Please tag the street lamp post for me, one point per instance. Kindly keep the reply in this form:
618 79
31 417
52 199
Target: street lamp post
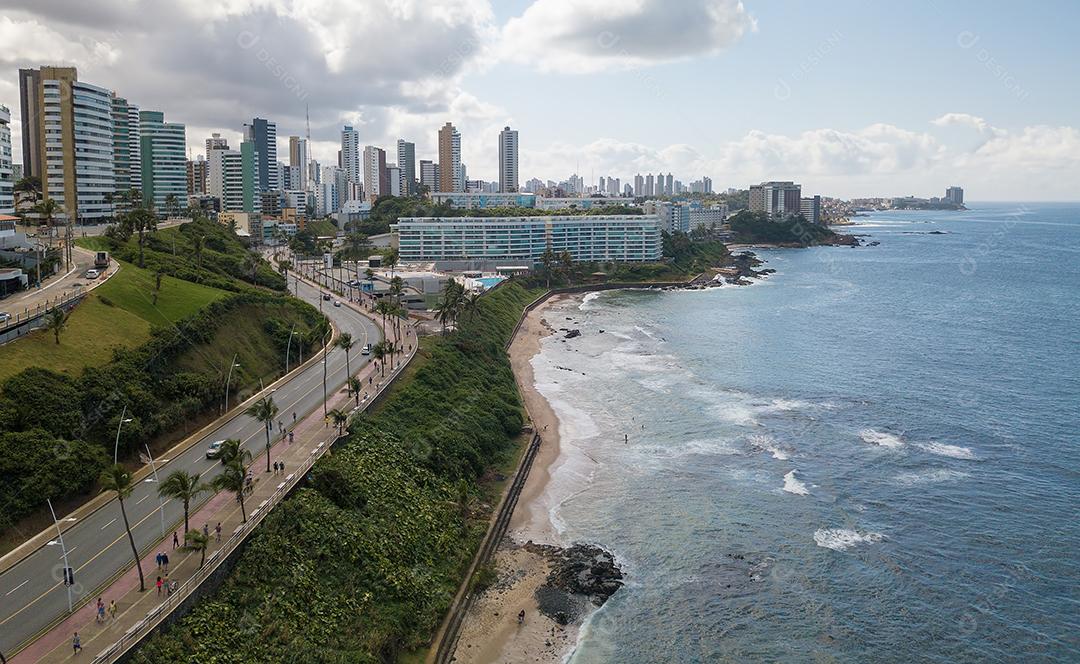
324 411
232 366
116 447
69 574
288 347
157 480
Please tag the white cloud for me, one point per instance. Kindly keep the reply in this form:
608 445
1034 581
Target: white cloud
570 36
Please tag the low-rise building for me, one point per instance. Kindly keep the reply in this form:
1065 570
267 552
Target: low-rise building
572 203
483 200
523 240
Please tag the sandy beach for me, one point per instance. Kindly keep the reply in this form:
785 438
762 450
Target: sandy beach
491 632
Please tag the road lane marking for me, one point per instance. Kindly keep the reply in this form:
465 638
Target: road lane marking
17 587
108 524
142 499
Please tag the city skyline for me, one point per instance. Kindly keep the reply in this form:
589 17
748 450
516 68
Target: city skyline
987 113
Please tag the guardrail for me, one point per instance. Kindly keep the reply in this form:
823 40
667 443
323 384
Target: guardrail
159 613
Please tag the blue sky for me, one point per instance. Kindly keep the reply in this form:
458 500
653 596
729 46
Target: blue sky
848 98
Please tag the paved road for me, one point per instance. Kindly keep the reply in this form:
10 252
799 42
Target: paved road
32 593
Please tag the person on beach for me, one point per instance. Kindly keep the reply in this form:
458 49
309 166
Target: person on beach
76 644
626 438
521 617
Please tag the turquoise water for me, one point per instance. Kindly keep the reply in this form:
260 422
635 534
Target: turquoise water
869 456
490 282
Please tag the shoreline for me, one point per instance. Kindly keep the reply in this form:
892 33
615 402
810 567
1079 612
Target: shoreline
490 632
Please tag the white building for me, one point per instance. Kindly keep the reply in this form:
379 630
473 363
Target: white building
483 200
524 240
584 203
94 177
406 162
225 180
298 159
350 155
707 217
376 182
508 160
429 175
7 198
393 178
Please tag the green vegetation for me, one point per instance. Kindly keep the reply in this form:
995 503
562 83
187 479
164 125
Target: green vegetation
156 341
322 228
361 565
751 227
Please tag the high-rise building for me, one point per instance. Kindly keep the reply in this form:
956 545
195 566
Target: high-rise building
164 166
639 185
67 130
406 161
451 173
376 178
650 189
706 182
810 208
508 160
393 179
351 157
429 175
7 182
263 135
127 149
197 174
298 159
955 195
216 142
232 177
669 184
776 199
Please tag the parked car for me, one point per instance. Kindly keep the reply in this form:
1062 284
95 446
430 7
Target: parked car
92 274
214 451
4 317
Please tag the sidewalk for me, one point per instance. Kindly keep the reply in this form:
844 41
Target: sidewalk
132 606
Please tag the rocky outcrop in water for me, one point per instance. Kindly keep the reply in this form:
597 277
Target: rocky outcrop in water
580 574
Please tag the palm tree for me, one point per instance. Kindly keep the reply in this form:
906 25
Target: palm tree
56 322
172 206
196 540
232 479
251 263
385 309
117 479
390 260
142 221
46 210
548 260
231 451
264 410
379 353
157 285
197 243
345 343
183 486
472 304
340 418
355 386
397 287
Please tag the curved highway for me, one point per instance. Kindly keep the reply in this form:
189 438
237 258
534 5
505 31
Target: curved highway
32 592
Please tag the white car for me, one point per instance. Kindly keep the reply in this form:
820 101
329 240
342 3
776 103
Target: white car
92 274
4 317
337 303
366 350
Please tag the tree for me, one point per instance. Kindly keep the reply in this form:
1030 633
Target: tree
232 479
183 486
340 418
390 260
355 386
172 206
142 221
56 322
566 262
379 351
157 285
397 287
117 479
357 246
472 304
548 261
46 210
345 343
197 244
251 264
196 540
264 410
231 451
384 309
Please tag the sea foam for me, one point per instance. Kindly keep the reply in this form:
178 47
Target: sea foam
842 539
881 438
928 477
953 451
768 444
793 485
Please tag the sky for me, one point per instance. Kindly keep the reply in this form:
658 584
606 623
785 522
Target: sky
848 98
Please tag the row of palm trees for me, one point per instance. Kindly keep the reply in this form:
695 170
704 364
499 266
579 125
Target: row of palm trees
185 487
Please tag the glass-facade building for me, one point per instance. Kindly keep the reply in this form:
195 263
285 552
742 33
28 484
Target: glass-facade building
523 240
163 162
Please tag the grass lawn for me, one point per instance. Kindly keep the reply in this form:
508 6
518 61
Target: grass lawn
117 314
322 227
93 331
132 289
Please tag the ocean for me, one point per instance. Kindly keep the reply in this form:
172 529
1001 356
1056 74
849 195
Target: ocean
872 455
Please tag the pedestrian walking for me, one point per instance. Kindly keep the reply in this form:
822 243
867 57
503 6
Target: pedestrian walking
175 541
168 588
280 425
112 609
206 530
282 467
165 561
157 559
294 418
76 644
100 611
158 583
217 531
290 436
